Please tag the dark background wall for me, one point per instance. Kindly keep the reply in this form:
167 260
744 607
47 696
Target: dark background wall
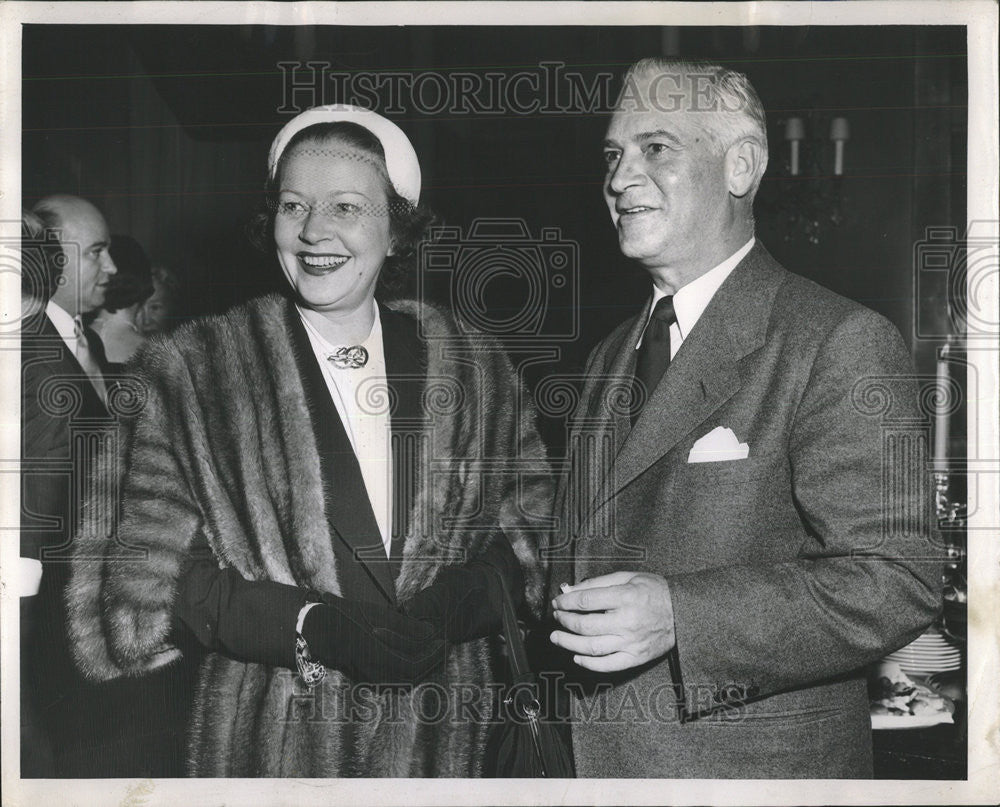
167 129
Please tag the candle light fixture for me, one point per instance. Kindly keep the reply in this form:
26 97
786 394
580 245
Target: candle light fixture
808 153
840 132
795 133
812 199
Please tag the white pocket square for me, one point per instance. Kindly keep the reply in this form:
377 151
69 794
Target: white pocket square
718 445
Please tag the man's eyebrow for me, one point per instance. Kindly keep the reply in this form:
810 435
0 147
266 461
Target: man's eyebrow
658 133
641 136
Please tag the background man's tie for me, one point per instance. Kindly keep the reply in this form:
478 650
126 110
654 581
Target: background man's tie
86 359
654 353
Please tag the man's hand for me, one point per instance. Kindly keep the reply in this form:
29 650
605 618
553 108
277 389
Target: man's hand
615 621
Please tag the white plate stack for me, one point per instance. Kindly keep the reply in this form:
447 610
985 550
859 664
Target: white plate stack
929 653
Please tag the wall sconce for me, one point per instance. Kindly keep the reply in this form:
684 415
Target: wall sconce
795 134
840 133
811 198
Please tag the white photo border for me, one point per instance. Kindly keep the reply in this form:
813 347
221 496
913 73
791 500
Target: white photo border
983 784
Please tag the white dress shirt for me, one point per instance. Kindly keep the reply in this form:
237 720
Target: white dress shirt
690 301
361 396
71 330
63 323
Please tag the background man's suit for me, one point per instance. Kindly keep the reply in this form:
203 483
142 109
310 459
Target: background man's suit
51 377
74 728
770 607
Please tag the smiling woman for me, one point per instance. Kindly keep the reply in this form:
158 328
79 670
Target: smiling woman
350 162
332 226
278 486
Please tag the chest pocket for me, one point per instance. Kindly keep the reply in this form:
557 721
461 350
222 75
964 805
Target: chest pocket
730 472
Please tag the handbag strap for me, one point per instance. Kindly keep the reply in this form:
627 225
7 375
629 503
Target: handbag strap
551 757
516 652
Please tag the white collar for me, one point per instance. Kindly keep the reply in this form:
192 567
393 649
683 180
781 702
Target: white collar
62 320
374 338
691 300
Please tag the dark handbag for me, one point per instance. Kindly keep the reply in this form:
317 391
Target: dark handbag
524 745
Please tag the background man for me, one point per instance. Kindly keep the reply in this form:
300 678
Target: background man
69 726
66 269
737 552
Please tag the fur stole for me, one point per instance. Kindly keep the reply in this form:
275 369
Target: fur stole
220 443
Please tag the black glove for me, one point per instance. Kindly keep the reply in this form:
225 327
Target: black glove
371 643
466 600
254 620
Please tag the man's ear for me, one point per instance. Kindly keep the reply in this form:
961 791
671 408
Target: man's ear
745 164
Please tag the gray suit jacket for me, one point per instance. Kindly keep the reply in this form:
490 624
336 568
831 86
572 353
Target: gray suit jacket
789 570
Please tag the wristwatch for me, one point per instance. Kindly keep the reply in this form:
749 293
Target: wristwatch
311 672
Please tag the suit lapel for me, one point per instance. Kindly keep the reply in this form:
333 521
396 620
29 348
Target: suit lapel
42 338
704 373
348 508
601 423
406 373
619 370
698 381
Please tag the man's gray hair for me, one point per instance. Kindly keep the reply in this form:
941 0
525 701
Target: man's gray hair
735 110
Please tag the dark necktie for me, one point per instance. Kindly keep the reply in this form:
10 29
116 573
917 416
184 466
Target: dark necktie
654 353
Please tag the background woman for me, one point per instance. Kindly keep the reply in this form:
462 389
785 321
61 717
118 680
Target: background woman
159 313
321 442
129 288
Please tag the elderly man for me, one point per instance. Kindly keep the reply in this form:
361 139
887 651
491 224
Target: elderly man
735 566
